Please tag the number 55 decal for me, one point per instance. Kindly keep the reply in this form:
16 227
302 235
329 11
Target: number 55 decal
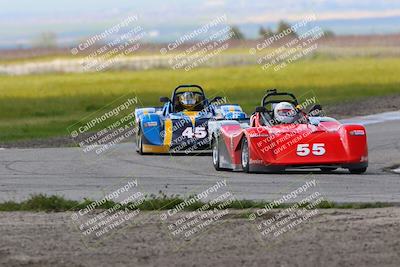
304 149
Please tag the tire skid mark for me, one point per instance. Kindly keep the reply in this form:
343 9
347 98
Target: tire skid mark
9 167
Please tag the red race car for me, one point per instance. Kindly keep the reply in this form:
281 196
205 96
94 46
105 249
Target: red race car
282 135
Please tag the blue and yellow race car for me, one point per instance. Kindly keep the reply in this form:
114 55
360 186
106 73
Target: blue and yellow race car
181 124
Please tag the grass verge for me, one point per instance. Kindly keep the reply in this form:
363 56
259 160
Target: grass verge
41 106
54 203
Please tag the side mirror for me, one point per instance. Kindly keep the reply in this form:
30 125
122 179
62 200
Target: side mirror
164 99
261 110
315 111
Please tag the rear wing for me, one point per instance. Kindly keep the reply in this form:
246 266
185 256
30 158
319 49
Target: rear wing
140 112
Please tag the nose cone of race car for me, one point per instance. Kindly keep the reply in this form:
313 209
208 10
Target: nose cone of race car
308 145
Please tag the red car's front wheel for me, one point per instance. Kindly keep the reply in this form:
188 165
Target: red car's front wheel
215 154
245 159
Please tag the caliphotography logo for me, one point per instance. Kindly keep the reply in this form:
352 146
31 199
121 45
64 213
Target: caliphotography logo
204 209
288 213
115 212
103 130
199 133
112 46
294 43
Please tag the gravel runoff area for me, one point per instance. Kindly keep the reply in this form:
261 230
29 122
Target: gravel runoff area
365 237
340 111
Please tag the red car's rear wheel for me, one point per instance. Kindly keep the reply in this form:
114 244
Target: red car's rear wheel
358 171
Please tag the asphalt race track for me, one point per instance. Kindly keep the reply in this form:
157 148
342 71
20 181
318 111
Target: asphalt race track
76 175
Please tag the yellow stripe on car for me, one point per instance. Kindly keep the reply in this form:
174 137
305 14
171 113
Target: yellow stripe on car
168 132
192 115
155 149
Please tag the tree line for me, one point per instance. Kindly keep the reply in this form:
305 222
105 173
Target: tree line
268 32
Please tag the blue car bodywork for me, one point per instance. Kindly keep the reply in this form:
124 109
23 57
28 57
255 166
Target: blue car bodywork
169 129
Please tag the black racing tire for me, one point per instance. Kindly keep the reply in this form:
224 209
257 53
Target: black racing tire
215 154
358 171
245 156
328 169
139 142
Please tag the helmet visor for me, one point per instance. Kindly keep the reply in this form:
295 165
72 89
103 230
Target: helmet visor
286 112
188 99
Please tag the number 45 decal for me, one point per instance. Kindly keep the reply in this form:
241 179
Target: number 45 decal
304 149
199 132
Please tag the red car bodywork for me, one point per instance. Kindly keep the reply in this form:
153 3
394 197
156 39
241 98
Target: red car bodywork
329 144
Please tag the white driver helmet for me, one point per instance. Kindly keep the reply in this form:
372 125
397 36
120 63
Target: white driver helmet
284 112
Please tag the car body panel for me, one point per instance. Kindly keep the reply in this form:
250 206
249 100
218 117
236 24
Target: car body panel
316 142
165 131
277 146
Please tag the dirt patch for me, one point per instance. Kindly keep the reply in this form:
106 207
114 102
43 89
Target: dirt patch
364 107
367 237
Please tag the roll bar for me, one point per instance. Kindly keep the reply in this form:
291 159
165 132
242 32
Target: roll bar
274 92
187 86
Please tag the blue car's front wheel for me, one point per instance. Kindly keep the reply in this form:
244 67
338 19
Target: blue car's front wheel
139 142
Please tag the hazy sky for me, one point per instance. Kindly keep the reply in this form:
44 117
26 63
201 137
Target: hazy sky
44 11
20 20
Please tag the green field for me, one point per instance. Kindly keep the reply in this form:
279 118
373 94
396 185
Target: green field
37 106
